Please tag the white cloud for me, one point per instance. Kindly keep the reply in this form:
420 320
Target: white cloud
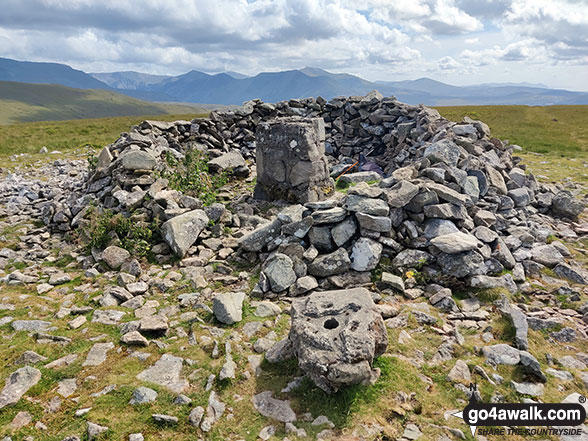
377 39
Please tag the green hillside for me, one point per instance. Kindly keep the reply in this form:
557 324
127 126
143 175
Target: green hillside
24 102
66 136
552 130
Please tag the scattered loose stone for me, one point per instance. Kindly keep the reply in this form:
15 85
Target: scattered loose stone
270 407
17 384
228 307
166 372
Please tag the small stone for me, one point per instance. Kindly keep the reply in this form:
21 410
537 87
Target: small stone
460 372
94 430
115 256
97 354
267 309
196 416
270 407
164 419
143 395
77 322
228 307
134 338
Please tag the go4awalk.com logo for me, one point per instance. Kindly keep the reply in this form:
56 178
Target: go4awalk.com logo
532 419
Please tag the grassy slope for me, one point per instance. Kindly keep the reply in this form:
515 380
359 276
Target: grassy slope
557 130
20 102
69 135
554 138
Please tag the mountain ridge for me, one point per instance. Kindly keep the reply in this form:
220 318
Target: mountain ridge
232 88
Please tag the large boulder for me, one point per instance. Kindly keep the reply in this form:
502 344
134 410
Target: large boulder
336 335
181 232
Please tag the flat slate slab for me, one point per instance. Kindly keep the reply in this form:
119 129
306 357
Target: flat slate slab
166 372
17 384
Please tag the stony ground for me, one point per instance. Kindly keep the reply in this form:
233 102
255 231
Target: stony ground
68 373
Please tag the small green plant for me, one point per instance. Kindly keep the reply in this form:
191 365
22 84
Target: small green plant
191 176
92 162
135 237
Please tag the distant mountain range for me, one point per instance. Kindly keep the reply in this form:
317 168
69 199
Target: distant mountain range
232 88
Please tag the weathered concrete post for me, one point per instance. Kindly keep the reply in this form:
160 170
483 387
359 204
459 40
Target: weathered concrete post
291 161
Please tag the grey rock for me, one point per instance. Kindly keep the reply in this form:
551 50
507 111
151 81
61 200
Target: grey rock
228 307
380 224
547 255
455 242
303 285
280 351
94 430
97 354
354 178
488 282
143 395
107 317
329 216
326 265
566 205
270 407
575 274
467 263
115 256
532 389
531 366
343 231
196 416
496 180
460 372
411 258
180 232
160 418
393 281
335 347
375 207
134 338
443 151
166 372
138 160
320 238
279 271
439 227
261 236
520 196
67 387
226 161
30 325
401 194
17 384
154 324
501 354
566 335
266 309
446 211
29 357
214 411
365 254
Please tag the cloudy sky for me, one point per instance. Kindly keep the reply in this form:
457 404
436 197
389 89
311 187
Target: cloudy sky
456 41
